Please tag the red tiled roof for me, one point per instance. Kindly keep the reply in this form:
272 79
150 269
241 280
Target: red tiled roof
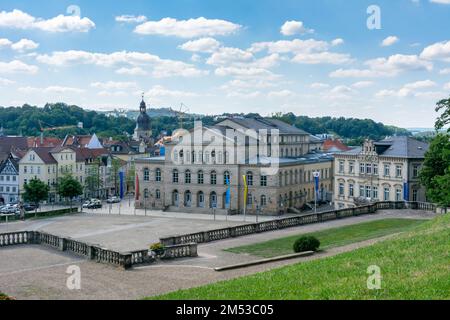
336 144
46 142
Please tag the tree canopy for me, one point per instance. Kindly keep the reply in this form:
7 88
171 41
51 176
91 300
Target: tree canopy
35 191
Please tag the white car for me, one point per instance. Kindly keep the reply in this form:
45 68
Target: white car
113 200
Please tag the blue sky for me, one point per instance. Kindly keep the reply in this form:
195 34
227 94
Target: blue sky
312 58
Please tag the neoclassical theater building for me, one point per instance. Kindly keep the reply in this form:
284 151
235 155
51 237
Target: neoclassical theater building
258 164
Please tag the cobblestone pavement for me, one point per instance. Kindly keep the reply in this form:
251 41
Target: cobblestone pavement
35 272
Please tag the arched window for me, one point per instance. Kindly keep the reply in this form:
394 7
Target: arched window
175 198
249 178
213 200
226 177
146 174
213 177
158 175
200 177
187 177
187 199
175 176
201 199
263 200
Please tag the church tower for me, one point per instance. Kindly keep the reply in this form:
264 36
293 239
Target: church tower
143 131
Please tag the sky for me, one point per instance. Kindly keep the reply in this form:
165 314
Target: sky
384 60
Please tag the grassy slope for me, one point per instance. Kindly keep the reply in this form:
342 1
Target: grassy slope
331 237
414 265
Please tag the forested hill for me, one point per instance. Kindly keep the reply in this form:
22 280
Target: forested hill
25 121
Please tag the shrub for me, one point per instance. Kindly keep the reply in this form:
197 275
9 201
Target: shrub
306 243
156 247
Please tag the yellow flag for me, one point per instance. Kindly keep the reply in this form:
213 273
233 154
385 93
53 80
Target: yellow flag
245 190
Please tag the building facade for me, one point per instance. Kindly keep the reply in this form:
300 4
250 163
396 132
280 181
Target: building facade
9 180
386 170
201 166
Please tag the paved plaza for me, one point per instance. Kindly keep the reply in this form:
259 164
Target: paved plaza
36 272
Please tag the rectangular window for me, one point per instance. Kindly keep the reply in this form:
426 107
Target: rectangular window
387 170
398 195
368 168
375 193
361 191
375 169
341 189
341 166
362 168
368 191
200 179
386 194
416 171
398 171
158 175
351 191
351 167
263 181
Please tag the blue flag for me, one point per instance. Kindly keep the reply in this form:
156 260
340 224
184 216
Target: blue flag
316 184
228 194
121 181
405 191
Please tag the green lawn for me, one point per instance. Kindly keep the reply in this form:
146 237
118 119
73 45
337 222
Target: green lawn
331 237
414 265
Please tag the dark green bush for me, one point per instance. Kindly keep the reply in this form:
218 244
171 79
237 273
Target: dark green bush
306 243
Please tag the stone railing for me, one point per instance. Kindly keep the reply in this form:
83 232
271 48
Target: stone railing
247 229
125 260
180 251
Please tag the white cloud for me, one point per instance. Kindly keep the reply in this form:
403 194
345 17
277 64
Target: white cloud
440 1
412 89
319 85
385 67
24 45
160 91
160 67
126 18
290 28
17 66
136 71
106 93
227 55
199 27
238 84
50 89
18 19
437 51
445 71
447 86
6 82
389 41
201 45
290 46
117 85
322 58
362 84
245 72
281 94
5 42
337 42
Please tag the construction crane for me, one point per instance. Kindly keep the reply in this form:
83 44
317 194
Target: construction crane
184 109
51 128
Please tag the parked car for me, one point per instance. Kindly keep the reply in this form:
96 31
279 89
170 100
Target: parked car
113 200
9 209
30 206
92 204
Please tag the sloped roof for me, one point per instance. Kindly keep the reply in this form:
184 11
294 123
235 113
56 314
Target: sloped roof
34 142
335 146
260 123
45 154
403 147
7 144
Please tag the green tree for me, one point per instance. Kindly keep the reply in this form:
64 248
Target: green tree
444 118
435 173
93 181
68 187
35 191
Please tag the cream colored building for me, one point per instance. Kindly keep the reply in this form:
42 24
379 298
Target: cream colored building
272 155
386 170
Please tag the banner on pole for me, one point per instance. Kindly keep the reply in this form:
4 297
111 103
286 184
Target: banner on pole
136 188
228 194
121 184
245 190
